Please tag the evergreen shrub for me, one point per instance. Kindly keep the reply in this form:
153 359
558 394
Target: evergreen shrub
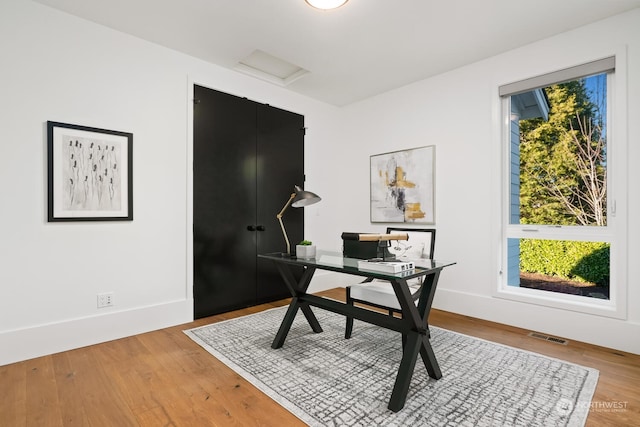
572 260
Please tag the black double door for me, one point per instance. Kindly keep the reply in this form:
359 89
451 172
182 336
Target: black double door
247 158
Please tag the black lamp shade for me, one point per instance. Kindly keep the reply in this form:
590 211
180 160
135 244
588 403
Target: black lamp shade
304 198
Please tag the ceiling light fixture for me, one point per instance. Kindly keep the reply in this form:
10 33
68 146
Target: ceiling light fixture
326 4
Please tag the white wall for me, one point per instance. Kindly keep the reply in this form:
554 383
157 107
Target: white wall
58 67
459 113
61 68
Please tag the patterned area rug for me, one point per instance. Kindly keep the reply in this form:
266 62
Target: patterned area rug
326 380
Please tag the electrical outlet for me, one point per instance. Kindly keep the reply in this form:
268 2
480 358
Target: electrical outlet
105 299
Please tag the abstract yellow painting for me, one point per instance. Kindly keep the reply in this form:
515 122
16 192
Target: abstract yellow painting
402 186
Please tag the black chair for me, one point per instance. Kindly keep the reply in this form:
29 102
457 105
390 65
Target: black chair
379 293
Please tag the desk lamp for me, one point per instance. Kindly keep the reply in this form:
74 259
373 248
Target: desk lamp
299 199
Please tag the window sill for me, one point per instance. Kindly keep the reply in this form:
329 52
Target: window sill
577 303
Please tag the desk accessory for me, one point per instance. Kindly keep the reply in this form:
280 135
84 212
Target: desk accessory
370 245
305 250
298 199
386 266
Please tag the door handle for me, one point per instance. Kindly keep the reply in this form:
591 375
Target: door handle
251 228
260 228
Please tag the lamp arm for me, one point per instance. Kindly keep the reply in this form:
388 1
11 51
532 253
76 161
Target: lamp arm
284 233
279 216
286 205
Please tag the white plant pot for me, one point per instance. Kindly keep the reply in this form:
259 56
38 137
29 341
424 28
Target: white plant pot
305 251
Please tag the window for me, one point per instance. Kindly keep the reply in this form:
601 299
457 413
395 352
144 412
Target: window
559 228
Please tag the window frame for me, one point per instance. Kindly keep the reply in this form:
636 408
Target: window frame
615 230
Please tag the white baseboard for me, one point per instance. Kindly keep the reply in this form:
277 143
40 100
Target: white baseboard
28 343
593 329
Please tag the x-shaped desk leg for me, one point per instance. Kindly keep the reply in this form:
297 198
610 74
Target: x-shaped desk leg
417 338
296 289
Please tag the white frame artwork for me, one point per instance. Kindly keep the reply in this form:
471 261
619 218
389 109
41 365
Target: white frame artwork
403 186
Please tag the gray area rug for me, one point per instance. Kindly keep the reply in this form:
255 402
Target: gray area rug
326 380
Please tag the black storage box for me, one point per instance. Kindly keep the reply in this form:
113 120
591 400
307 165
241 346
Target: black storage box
354 248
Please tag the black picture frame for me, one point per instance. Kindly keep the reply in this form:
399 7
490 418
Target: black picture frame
90 173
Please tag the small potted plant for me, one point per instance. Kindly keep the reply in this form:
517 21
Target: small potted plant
305 250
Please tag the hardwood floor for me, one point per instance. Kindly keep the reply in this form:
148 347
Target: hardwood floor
162 378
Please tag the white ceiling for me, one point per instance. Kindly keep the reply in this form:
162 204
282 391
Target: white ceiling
362 49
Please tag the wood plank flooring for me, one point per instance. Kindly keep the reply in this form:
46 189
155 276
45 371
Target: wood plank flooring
162 378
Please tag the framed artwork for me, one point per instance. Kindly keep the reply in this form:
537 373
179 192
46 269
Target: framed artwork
402 186
89 173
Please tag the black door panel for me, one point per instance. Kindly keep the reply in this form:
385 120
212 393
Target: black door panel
247 158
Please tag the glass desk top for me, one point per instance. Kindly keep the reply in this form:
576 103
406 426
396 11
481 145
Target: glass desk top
334 261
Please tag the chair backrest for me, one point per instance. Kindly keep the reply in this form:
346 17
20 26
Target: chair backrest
421 243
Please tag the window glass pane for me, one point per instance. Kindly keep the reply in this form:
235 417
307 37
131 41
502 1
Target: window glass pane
558 167
564 266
